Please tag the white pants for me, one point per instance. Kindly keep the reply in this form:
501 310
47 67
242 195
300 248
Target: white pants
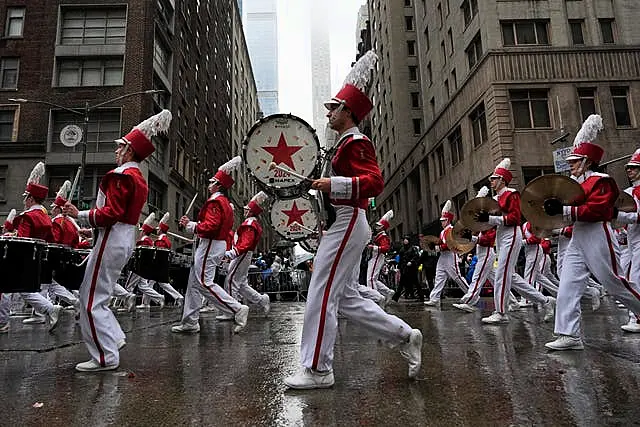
208 255
592 250
563 243
482 273
5 308
57 290
373 271
334 287
119 291
237 280
39 303
100 328
143 286
173 293
447 268
546 279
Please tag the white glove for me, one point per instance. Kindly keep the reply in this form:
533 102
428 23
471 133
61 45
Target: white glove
231 254
409 264
191 226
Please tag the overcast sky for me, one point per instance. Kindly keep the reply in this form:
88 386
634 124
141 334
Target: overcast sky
294 50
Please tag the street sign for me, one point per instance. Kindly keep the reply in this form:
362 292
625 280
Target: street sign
559 163
71 135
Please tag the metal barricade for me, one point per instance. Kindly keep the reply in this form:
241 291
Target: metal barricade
286 284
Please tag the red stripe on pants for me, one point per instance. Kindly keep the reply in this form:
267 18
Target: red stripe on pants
92 290
373 279
506 270
614 262
327 290
484 264
204 267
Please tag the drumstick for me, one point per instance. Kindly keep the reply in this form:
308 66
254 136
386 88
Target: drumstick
191 205
177 236
305 228
289 171
75 184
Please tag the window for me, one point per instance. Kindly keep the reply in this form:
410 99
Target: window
454 79
413 73
474 51
415 100
104 128
440 20
155 198
439 160
407 3
15 22
530 108
417 126
90 26
620 97
450 34
577 38
427 42
532 172
90 72
446 88
161 56
606 28
525 33
429 74
9 73
408 23
587 97
469 11
6 125
158 156
479 126
459 201
443 50
432 106
455 142
411 47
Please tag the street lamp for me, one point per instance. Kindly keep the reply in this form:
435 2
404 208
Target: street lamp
85 126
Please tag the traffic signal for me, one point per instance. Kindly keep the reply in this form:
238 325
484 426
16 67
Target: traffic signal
372 202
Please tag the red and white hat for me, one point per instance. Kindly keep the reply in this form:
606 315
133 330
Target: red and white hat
147 228
61 195
385 221
139 139
447 213
583 145
353 93
483 192
635 159
163 225
223 176
39 192
502 171
8 223
257 203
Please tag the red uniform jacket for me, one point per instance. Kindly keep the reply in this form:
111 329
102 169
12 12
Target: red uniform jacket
162 242
443 238
487 238
145 241
65 231
509 202
546 246
531 238
356 158
601 193
567 231
247 236
125 192
215 219
34 223
383 242
229 239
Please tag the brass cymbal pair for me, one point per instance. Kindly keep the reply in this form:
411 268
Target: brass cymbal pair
546 187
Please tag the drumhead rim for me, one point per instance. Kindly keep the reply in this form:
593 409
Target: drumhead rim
314 209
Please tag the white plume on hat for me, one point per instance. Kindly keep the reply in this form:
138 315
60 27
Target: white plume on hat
504 164
165 218
64 189
360 74
149 219
155 124
447 207
231 164
483 192
260 197
11 216
589 130
36 174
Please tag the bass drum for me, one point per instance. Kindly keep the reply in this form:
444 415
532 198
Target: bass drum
287 141
294 219
20 261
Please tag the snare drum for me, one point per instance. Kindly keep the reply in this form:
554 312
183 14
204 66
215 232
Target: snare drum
287 141
20 262
72 273
55 259
152 263
294 219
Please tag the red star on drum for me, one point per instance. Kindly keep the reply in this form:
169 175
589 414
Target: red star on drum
295 214
282 152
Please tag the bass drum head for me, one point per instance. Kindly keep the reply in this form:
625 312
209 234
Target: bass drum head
287 141
294 219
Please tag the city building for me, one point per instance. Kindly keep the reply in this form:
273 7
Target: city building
261 33
320 66
63 60
500 79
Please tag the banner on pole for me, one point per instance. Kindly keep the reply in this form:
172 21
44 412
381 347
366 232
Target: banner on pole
559 163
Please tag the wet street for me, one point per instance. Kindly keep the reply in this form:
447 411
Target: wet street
472 374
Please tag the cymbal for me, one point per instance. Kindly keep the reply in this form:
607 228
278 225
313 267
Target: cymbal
426 240
546 187
474 206
626 203
456 242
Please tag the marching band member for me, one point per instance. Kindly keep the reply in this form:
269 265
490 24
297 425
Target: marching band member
246 240
214 222
508 244
163 242
35 223
375 289
586 253
447 266
121 196
485 241
355 176
535 258
5 299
